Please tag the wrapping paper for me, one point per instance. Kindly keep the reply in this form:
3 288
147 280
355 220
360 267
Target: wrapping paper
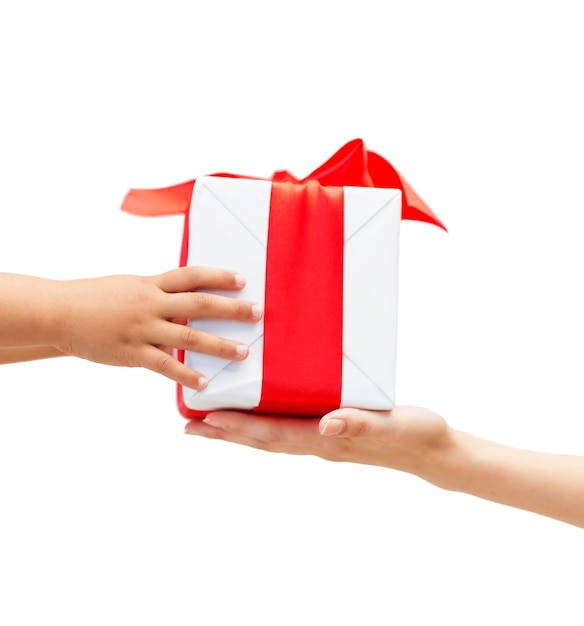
321 253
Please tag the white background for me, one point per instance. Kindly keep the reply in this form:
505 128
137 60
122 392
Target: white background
108 513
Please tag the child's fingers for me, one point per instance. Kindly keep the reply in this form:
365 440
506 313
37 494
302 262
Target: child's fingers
191 278
200 304
161 362
187 338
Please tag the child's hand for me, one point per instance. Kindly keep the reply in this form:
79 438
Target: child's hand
134 320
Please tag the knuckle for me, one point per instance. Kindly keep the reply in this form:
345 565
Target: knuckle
241 309
146 299
189 338
203 300
266 446
165 363
358 428
213 433
342 447
272 435
194 272
338 449
223 348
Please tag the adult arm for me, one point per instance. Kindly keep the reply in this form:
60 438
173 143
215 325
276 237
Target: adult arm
419 442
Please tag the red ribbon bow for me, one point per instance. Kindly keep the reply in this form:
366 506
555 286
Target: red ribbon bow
352 165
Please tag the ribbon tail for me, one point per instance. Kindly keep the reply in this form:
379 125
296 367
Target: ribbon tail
414 208
173 200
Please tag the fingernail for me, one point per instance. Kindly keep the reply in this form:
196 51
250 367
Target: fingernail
333 427
241 350
213 422
192 430
202 382
256 311
240 280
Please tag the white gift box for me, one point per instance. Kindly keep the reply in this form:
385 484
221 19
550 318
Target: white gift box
228 226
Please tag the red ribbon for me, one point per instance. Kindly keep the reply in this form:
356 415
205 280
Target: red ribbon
303 318
351 165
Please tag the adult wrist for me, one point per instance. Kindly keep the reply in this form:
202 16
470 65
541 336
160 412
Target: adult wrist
453 464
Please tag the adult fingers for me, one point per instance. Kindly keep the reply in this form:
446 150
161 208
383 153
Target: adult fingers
295 435
200 428
274 431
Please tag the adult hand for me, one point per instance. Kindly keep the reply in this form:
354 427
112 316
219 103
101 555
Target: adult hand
405 438
419 442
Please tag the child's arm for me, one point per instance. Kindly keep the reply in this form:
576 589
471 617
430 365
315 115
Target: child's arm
124 320
31 353
419 442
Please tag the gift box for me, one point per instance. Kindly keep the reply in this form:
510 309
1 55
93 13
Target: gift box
321 255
